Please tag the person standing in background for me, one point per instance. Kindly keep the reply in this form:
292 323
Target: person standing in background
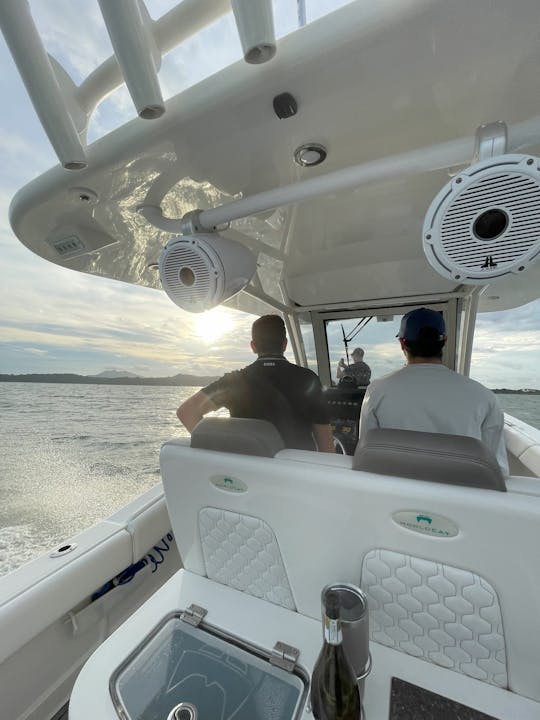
358 369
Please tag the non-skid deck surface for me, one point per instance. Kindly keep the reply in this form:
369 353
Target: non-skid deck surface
410 702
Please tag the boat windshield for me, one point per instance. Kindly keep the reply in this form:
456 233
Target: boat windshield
375 335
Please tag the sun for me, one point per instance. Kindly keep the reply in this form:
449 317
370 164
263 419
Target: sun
212 324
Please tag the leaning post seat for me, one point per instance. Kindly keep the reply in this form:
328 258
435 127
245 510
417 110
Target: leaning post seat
436 457
245 436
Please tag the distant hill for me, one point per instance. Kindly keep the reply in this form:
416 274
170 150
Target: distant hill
525 391
115 374
174 380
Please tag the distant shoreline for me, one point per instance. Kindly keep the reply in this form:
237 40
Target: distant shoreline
179 380
508 391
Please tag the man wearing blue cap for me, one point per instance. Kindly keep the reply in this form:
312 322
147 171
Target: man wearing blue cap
427 396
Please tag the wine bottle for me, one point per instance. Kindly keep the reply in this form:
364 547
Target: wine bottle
334 692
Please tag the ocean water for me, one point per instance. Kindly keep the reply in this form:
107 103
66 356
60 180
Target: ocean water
71 455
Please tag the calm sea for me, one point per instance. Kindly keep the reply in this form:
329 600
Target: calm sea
73 454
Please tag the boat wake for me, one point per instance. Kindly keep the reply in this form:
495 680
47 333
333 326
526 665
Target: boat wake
18 545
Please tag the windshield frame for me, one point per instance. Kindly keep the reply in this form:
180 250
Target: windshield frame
448 307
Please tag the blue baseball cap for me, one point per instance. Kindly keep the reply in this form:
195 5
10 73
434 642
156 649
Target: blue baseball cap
413 322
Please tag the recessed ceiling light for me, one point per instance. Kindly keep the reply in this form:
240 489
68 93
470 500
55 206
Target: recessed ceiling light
310 154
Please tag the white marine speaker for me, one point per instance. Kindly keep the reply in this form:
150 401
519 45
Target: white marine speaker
199 272
485 223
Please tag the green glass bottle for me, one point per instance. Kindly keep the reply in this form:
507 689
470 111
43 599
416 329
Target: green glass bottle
334 692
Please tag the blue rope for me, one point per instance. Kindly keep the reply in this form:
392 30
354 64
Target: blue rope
127 575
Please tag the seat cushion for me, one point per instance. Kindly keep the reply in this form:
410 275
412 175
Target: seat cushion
442 614
242 551
451 459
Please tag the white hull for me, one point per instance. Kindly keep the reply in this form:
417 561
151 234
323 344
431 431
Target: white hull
48 625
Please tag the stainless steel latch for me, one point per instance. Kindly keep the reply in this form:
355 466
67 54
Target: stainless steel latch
193 615
284 656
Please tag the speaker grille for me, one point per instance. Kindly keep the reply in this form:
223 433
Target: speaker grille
515 194
190 276
486 223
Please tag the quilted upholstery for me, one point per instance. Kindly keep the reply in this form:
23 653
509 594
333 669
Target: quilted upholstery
439 613
242 551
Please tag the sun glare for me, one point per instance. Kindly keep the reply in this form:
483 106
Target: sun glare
211 325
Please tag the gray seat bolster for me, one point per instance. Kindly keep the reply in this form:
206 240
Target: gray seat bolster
245 436
451 459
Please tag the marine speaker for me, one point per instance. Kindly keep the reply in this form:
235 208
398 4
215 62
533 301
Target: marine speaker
485 223
199 272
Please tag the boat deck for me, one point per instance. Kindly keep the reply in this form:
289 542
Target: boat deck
241 615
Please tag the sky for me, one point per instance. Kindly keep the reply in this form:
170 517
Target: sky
56 320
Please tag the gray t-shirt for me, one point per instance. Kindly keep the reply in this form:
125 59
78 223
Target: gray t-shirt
429 397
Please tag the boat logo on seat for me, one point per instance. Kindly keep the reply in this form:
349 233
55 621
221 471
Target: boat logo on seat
228 483
426 523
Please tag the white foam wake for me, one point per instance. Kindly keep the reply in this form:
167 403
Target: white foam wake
18 544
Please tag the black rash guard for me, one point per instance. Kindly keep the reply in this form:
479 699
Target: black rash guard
273 389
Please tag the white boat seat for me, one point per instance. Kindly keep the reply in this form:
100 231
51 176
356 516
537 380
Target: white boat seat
246 436
327 519
242 551
436 612
436 457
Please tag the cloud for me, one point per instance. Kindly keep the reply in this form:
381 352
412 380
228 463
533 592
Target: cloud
73 33
59 310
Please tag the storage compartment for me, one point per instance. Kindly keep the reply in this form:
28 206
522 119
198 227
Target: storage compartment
216 675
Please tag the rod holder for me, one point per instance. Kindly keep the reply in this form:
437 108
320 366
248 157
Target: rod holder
42 82
255 23
130 29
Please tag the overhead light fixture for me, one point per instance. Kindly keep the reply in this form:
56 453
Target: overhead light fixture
310 154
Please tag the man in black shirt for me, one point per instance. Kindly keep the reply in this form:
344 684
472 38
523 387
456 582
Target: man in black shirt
271 388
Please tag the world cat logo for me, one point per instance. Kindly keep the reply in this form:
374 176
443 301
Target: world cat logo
426 523
228 483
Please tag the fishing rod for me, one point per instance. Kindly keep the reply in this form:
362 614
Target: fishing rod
361 324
